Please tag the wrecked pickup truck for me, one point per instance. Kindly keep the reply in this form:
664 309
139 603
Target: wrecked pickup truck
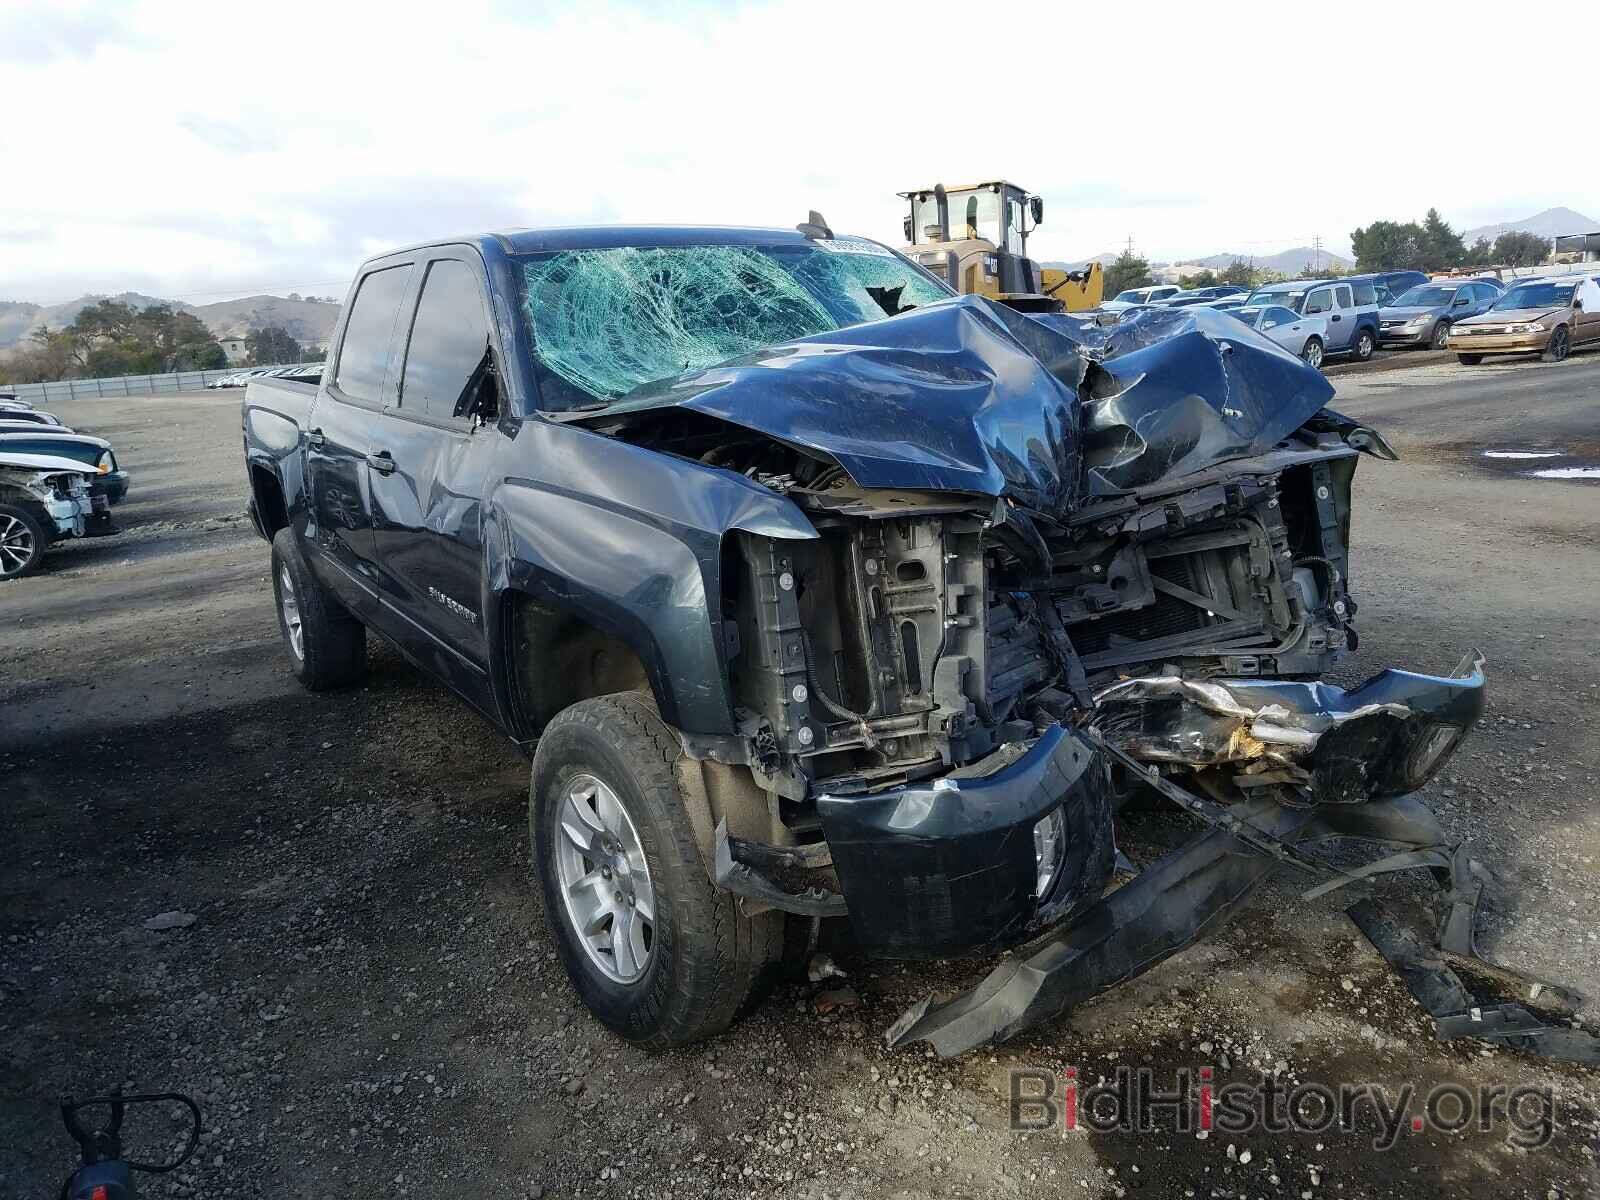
817 591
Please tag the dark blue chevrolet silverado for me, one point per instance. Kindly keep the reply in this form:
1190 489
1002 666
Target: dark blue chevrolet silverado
817 591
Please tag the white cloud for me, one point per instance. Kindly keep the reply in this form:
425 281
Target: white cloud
163 148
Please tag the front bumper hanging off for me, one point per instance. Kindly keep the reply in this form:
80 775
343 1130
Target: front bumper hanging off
1374 744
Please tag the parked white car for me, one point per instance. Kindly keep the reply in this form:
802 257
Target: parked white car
1306 337
1137 296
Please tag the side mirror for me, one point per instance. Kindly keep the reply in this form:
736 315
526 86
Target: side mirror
1036 207
905 224
1577 306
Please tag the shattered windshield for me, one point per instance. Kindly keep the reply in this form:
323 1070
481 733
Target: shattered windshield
603 322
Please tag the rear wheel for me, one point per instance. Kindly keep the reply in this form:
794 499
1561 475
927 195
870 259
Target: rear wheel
1560 345
1441 331
1469 360
22 542
1311 352
1364 345
656 951
327 646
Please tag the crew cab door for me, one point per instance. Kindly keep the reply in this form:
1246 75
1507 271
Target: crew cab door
430 461
338 437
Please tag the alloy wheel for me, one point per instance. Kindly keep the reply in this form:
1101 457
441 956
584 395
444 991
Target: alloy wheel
17 546
1313 354
605 881
1441 331
1559 345
290 604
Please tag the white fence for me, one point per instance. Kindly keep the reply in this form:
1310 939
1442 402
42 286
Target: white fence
119 385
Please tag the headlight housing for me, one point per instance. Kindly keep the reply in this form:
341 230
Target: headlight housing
1525 327
1049 847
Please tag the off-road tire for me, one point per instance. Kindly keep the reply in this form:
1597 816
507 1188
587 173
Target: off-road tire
1469 360
707 959
1559 346
333 644
30 533
1364 338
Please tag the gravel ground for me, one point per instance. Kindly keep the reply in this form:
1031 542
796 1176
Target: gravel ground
368 995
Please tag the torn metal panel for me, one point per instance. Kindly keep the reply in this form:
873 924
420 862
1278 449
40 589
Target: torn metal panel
1386 737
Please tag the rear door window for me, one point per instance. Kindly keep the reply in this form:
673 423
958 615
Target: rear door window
364 353
1365 294
1344 295
449 338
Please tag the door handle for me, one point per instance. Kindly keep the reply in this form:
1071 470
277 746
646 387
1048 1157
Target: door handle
381 462
314 439
1337 317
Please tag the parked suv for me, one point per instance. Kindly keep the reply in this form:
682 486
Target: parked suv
1350 308
1422 316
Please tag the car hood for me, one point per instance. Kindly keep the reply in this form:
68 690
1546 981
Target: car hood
53 433
970 396
42 462
1501 316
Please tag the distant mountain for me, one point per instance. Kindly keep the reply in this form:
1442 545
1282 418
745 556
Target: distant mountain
1286 262
306 320
1552 222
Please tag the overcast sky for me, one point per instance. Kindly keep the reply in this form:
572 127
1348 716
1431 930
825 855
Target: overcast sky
205 150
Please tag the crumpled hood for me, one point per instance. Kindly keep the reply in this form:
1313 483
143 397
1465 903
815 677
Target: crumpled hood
971 396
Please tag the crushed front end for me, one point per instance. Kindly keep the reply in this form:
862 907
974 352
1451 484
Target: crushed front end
1055 566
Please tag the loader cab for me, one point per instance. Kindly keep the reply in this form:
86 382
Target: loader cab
975 237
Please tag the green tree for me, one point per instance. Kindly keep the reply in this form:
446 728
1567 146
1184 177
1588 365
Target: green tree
1389 246
1517 249
1200 279
274 344
1241 274
1442 247
1479 254
1128 271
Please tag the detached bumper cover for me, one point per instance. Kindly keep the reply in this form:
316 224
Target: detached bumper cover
1386 737
948 867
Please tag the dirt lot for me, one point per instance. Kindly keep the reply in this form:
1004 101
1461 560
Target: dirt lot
369 998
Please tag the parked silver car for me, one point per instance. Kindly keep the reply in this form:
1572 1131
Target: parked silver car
1350 308
1304 336
1422 315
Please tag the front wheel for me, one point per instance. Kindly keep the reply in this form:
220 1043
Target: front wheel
1560 345
22 542
1312 352
1441 332
327 646
1364 345
656 951
1469 360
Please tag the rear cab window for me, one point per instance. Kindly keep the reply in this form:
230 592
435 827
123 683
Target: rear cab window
368 334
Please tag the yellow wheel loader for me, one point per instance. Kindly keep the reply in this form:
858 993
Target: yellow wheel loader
976 238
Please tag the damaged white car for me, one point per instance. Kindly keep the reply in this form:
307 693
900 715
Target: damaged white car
44 499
